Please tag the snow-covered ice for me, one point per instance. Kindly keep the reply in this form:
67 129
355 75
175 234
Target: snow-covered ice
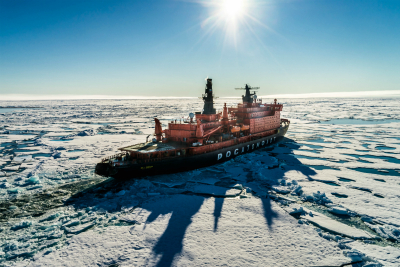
327 195
184 231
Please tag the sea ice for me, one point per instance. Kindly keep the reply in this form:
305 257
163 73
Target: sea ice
178 229
33 180
203 180
20 225
386 256
281 189
214 190
11 168
89 132
297 211
356 167
79 229
389 232
338 210
4 185
335 227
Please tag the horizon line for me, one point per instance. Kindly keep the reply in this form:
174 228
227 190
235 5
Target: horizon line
357 94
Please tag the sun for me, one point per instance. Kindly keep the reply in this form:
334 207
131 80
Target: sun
226 11
232 9
236 19
230 14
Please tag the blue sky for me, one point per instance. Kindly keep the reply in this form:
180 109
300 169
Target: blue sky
168 47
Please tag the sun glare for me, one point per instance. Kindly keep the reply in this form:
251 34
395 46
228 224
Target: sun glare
236 18
232 9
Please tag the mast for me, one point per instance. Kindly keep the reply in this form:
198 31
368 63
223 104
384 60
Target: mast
248 97
208 99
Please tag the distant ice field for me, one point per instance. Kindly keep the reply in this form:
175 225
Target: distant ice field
333 183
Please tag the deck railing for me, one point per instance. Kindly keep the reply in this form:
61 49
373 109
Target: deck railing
113 156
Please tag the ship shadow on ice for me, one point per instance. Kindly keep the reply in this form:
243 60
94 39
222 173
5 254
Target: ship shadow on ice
186 203
290 162
182 209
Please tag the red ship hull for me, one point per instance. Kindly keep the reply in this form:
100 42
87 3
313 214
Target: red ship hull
187 163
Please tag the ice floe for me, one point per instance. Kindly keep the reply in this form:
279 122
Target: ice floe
334 226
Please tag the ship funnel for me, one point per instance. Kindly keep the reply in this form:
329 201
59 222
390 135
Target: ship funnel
158 130
225 113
